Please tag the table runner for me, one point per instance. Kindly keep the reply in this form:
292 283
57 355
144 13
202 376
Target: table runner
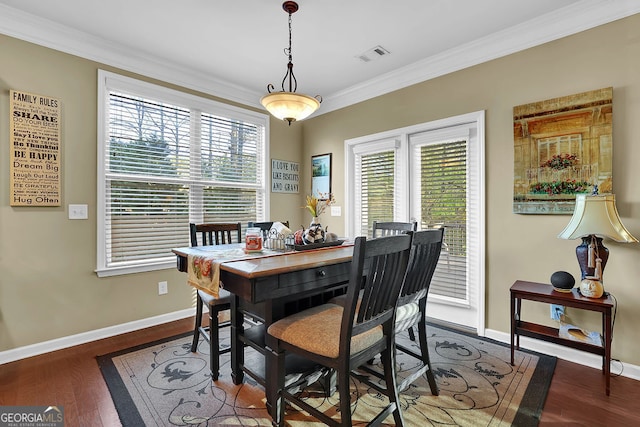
203 271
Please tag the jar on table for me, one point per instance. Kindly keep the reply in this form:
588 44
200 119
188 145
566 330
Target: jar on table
253 239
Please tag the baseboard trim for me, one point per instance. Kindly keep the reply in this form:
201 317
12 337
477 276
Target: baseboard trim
85 337
562 352
566 353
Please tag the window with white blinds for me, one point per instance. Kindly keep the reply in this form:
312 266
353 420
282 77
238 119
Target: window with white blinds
166 159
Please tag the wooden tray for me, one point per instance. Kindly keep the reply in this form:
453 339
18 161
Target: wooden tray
317 245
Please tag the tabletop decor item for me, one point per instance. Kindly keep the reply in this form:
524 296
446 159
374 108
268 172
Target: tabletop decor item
562 281
316 205
591 287
595 217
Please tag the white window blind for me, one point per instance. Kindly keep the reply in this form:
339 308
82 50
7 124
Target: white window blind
375 183
443 201
377 189
167 159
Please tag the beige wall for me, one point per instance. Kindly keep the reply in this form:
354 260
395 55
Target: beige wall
48 288
47 285
524 246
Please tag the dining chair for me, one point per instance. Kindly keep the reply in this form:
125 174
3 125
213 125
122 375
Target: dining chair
342 338
412 303
213 234
392 228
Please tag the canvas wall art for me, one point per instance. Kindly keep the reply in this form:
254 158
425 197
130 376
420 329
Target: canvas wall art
562 147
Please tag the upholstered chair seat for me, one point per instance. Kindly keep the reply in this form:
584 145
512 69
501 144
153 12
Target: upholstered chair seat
342 338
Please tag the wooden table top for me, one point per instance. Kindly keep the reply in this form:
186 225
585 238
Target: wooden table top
523 287
271 262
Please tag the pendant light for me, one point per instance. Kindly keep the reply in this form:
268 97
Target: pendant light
287 104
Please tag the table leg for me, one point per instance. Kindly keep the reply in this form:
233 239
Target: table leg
237 347
513 324
275 373
607 350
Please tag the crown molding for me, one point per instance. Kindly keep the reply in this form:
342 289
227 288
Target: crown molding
579 16
44 32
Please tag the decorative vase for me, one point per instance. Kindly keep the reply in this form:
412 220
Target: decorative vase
582 253
315 233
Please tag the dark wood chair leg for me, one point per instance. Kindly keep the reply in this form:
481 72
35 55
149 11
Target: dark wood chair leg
196 329
344 381
412 335
388 363
424 350
214 344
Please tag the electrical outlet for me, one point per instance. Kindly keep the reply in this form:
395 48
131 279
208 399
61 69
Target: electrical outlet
163 288
557 311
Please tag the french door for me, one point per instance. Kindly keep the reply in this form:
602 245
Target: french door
432 173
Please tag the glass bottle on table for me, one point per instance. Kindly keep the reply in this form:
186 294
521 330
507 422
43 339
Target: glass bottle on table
253 239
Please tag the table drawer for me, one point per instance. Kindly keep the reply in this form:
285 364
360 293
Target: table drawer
317 277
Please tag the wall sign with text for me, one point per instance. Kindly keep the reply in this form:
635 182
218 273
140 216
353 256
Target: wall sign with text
285 176
35 150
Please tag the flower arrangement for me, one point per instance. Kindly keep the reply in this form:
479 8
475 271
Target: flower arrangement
560 161
317 205
560 187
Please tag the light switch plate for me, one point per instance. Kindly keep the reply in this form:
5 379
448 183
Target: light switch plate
78 212
336 210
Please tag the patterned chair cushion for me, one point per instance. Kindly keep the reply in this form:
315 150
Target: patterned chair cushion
407 316
318 330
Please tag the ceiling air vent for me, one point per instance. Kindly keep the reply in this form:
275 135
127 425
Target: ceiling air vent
373 54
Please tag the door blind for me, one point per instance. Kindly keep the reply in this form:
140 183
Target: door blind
443 176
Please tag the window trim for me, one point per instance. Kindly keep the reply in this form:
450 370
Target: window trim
475 187
108 81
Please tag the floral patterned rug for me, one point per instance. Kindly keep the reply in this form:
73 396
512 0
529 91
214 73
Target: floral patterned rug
164 384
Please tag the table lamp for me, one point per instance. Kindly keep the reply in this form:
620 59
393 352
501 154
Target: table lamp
595 216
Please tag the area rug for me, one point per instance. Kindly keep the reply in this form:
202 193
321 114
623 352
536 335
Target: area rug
164 384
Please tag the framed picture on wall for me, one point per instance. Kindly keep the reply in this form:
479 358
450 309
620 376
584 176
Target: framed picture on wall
321 176
562 147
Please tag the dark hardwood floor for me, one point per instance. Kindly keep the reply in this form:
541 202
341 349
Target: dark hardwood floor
71 378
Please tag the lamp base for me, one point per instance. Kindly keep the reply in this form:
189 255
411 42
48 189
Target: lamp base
582 253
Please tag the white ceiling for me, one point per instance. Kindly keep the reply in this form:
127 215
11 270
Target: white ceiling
233 49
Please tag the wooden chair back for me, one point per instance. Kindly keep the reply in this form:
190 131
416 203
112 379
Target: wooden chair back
378 268
425 252
215 233
392 228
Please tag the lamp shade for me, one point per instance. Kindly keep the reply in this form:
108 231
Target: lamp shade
290 106
596 215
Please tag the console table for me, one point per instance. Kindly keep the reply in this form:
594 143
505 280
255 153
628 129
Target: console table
541 292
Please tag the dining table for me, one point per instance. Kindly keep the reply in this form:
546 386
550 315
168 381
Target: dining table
269 285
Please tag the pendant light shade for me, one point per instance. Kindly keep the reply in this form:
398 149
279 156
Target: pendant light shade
290 106
287 104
